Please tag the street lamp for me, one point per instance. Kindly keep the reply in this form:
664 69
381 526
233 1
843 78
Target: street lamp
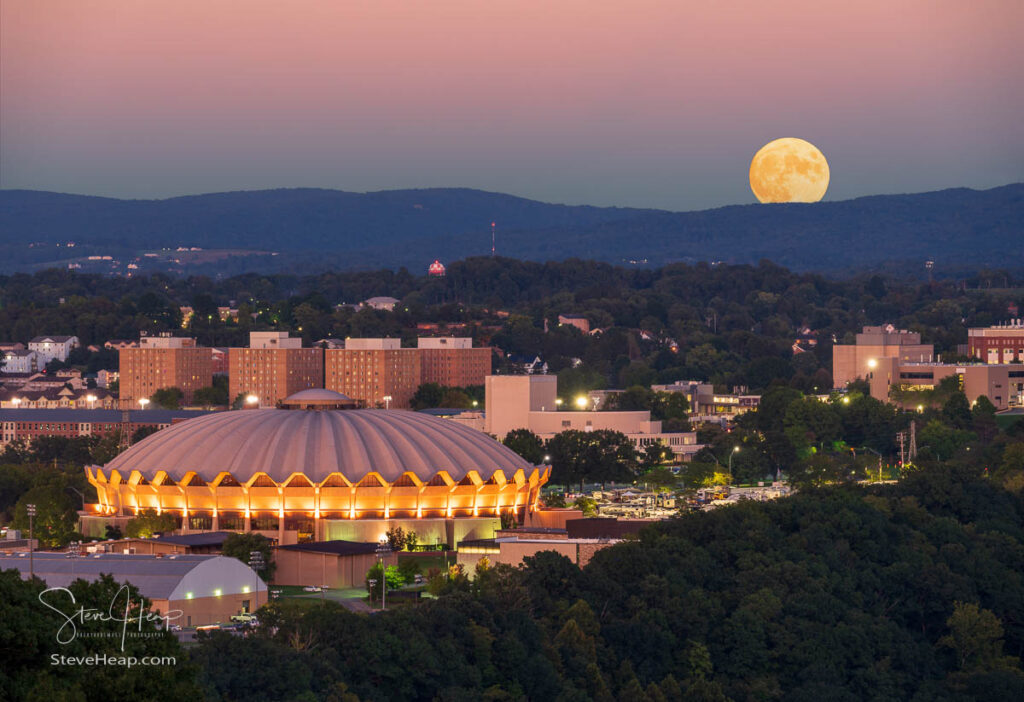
383 550
558 402
31 509
735 450
91 399
256 562
387 402
79 494
252 400
547 458
872 363
143 402
582 402
15 401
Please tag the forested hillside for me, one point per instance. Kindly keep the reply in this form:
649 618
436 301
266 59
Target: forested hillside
322 229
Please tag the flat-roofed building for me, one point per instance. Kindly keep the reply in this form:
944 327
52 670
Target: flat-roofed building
531 402
372 370
1002 384
30 424
334 564
160 362
452 361
1003 343
273 367
852 361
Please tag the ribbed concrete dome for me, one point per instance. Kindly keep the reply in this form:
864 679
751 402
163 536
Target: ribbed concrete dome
316 444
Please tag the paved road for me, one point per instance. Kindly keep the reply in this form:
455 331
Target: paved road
357 606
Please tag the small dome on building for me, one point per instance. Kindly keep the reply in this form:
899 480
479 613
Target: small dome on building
318 398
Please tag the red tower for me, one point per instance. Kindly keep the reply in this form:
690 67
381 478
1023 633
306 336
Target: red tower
436 269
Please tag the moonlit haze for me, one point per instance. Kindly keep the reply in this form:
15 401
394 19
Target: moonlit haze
655 104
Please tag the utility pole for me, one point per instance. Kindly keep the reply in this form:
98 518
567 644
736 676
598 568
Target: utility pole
913 440
492 239
256 562
31 541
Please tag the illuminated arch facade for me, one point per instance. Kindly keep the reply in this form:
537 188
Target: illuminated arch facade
297 471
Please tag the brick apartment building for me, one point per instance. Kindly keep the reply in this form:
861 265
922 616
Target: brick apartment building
29 424
452 361
368 370
999 344
163 361
273 367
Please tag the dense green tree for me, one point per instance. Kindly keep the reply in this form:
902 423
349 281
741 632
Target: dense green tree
428 395
215 395
148 523
242 546
167 398
55 520
526 444
809 422
597 456
29 640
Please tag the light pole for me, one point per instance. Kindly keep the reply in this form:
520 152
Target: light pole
256 562
91 399
868 448
143 402
735 450
252 400
387 402
383 550
31 536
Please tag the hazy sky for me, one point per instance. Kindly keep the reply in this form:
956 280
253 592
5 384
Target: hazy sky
636 102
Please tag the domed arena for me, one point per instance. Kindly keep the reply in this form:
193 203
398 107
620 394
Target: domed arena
311 470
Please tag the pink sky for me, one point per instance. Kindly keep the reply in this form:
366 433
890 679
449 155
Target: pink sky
633 103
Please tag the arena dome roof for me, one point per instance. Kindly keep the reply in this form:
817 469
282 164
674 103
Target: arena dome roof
281 442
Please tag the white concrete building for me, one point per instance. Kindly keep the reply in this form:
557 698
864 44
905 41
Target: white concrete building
52 347
21 361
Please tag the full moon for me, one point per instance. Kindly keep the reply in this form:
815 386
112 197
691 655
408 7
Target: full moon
789 170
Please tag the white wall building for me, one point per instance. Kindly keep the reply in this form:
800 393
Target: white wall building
21 361
51 347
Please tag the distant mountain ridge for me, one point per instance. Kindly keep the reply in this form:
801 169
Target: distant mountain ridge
331 228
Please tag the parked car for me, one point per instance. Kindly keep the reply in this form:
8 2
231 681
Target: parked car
311 588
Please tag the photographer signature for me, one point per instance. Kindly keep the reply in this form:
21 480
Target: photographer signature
73 618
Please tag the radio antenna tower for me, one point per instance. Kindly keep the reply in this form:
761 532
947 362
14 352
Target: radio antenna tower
492 239
913 441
